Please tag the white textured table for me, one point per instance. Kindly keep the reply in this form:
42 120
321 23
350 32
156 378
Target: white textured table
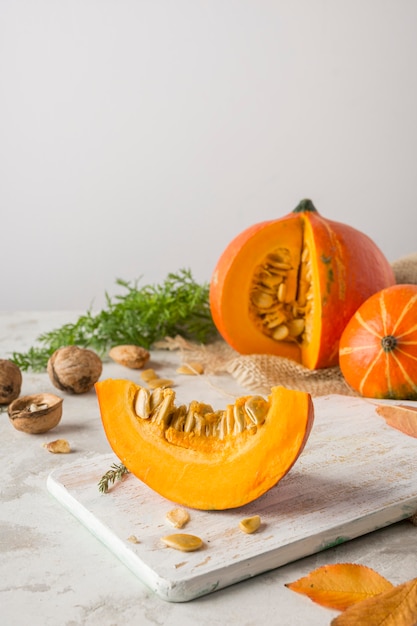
54 572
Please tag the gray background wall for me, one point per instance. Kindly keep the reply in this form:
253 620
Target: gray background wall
140 136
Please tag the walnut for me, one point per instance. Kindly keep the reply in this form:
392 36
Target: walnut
37 413
74 369
134 357
10 381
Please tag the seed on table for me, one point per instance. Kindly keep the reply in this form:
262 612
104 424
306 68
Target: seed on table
178 517
160 382
183 542
250 524
148 374
192 368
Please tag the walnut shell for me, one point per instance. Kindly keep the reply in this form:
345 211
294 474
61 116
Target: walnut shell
10 381
37 413
74 369
134 357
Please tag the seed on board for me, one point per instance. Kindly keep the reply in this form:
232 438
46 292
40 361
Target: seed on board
183 542
178 517
250 524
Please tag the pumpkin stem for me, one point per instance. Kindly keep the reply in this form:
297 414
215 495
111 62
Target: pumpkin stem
388 343
305 206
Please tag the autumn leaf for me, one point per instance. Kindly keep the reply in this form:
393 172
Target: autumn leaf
400 416
397 607
340 586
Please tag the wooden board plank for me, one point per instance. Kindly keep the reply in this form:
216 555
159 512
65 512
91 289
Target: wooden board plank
355 475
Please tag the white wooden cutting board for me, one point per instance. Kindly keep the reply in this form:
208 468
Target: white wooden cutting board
355 475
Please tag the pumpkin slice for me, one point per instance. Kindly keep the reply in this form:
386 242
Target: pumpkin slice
289 286
201 458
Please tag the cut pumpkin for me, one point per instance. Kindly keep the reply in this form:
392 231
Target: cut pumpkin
201 458
289 286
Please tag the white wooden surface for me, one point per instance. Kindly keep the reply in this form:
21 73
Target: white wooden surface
356 475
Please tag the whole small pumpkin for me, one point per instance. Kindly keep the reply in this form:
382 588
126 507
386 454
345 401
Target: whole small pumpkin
289 286
378 348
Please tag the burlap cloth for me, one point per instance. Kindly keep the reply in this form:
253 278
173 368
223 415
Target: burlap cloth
259 372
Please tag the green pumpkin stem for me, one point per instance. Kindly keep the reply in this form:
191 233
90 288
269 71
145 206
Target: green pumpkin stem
305 206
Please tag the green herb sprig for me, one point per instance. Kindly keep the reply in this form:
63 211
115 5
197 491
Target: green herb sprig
116 472
141 316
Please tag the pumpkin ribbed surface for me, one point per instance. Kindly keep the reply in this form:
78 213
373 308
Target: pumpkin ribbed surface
289 286
378 348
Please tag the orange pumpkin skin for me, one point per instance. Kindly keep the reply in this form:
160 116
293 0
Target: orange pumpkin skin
345 265
203 471
378 348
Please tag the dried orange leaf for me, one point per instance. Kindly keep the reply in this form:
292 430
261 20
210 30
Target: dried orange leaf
400 416
397 607
341 585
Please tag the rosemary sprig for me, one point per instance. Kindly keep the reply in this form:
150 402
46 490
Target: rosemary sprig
116 472
141 316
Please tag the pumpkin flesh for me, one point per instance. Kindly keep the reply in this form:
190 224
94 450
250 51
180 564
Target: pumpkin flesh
378 348
331 268
199 470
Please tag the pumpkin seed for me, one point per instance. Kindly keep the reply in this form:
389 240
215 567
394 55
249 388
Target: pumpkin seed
239 417
153 383
282 292
183 542
296 326
163 412
148 374
199 418
250 525
281 332
256 408
190 419
191 369
262 300
178 419
178 517
143 403
280 313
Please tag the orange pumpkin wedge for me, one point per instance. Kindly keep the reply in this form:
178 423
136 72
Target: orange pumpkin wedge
378 348
201 458
289 286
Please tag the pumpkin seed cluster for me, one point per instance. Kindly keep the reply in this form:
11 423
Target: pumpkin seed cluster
281 298
158 406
